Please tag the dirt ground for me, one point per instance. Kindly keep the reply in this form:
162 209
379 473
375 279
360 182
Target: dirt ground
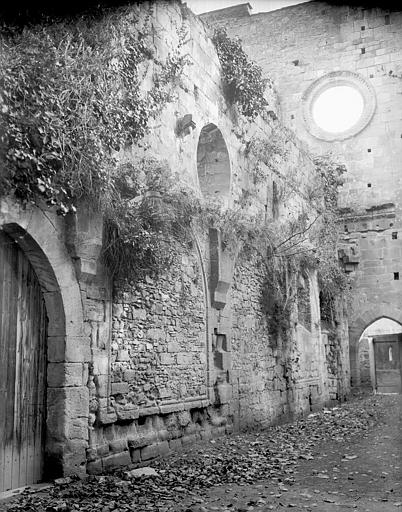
346 458
362 472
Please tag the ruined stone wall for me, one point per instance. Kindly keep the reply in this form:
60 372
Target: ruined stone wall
139 368
190 353
299 47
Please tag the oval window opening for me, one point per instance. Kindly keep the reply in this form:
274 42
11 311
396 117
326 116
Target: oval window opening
338 108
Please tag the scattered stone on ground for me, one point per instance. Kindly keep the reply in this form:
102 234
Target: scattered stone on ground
346 458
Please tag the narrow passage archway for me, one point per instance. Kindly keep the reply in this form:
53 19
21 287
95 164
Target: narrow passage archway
380 356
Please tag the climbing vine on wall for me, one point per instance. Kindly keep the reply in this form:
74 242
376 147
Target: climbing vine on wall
152 217
71 98
305 236
244 84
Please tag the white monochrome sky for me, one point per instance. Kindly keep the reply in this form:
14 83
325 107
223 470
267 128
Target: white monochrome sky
200 6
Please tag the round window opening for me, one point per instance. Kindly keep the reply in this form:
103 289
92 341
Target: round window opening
338 108
338 105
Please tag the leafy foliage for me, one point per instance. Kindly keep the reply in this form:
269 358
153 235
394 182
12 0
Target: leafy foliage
71 98
305 239
152 213
244 84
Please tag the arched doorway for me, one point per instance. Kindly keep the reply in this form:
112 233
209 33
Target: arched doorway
213 164
23 334
380 356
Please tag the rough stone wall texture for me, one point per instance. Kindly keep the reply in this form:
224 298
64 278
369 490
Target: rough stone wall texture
190 352
300 44
159 347
156 365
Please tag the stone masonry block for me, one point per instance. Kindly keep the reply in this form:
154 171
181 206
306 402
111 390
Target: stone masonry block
136 455
67 374
118 446
184 359
68 349
107 416
175 444
173 346
155 450
95 310
189 439
167 359
139 314
116 460
102 450
65 407
95 468
130 375
119 388
142 440
127 412
223 360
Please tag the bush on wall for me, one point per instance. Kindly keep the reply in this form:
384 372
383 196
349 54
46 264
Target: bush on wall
244 84
71 98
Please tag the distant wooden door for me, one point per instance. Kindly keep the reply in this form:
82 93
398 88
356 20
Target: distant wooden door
387 356
23 326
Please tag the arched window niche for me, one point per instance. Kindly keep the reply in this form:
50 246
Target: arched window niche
213 164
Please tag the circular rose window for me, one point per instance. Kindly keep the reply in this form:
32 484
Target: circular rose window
338 105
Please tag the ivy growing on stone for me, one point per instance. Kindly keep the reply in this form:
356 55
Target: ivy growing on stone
71 99
244 84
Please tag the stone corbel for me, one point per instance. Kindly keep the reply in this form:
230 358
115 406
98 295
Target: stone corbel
185 125
349 255
84 242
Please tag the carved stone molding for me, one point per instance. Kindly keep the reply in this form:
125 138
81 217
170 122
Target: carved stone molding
335 79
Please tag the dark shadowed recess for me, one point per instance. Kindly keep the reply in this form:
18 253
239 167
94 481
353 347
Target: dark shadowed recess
23 12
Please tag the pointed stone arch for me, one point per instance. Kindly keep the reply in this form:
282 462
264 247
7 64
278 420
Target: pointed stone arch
357 327
213 163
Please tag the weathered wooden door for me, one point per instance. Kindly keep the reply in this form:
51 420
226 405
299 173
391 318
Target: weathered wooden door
387 356
23 325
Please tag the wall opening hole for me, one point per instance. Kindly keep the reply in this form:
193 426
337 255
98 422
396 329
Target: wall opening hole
363 50
142 420
213 163
292 116
369 185
394 235
363 27
338 108
369 150
396 276
387 19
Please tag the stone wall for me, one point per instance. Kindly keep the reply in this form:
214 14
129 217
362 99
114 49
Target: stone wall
190 355
303 46
139 368
159 347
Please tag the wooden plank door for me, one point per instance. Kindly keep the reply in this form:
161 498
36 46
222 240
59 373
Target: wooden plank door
23 325
387 356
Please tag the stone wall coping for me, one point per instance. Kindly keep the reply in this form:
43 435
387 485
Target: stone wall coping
175 406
